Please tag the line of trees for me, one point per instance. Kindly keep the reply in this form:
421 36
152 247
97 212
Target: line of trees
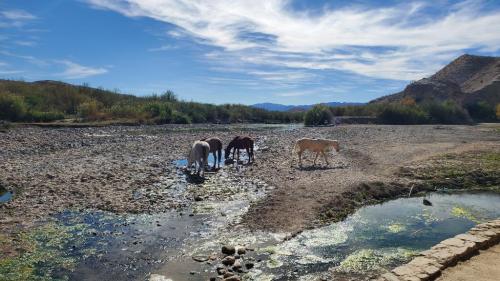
407 111
47 101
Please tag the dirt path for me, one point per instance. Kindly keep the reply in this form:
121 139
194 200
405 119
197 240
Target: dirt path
483 267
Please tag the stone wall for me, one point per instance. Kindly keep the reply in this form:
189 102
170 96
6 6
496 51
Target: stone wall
429 264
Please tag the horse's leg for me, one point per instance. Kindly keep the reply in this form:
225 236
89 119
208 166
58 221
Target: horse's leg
215 159
300 158
326 159
238 156
249 155
317 153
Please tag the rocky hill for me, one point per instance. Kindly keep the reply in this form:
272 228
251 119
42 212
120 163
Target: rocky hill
466 80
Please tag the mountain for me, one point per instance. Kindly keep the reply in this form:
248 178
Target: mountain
281 107
466 80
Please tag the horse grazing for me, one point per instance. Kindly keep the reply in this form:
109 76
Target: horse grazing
199 155
215 149
315 145
241 143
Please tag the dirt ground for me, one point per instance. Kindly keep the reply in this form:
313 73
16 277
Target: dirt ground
483 267
50 170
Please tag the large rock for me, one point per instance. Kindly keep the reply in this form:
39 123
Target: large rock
228 250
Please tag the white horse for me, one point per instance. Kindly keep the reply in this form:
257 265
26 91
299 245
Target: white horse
199 156
315 145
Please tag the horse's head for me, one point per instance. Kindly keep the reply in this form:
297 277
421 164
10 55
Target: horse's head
335 145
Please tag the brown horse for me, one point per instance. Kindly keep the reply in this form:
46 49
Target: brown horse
215 149
241 143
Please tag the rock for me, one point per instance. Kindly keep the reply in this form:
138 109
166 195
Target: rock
228 274
221 270
213 278
229 260
200 258
237 265
198 198
249 265
232 278
427 202
241 250
157 277
228 250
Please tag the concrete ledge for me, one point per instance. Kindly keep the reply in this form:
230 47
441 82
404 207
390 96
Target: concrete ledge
429 264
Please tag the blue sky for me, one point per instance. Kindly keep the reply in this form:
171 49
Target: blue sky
290 52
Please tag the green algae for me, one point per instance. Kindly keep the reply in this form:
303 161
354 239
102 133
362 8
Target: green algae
369 260
466 213
274 262
41 254
396 227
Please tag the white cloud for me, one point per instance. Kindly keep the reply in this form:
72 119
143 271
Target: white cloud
77 71
162 48
400 42
17 15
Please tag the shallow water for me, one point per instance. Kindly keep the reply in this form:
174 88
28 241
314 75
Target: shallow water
105 246
5 195
382 236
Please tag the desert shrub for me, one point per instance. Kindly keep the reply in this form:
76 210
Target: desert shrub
400 114
180 118
160 112
447 112
318 115
89 110
12 107
125 111
37 116
482 111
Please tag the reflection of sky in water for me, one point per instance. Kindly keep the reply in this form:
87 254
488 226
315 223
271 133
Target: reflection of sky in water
5 196
391 229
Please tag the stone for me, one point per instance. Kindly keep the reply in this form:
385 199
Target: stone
232 278
241 250
249 265
200 258
390 277
228 274
229 260
158 277
404 270
228 250
213 278
472 238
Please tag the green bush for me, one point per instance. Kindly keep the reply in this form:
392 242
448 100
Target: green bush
37 116
12 107
89 110
482 111
318 115
180 118
402 114
447 112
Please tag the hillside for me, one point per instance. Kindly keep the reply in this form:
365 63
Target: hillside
296 108
466 80
44 101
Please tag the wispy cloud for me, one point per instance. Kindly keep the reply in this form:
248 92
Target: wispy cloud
28 58
163 48
399 42
15 18
77 71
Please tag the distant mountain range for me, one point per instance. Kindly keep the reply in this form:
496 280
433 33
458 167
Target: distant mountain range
466 80
282 107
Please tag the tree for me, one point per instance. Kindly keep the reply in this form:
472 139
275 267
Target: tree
318 115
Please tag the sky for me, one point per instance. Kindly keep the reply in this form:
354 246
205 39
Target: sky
243 51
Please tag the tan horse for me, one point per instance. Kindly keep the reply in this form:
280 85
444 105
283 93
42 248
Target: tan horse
314 145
